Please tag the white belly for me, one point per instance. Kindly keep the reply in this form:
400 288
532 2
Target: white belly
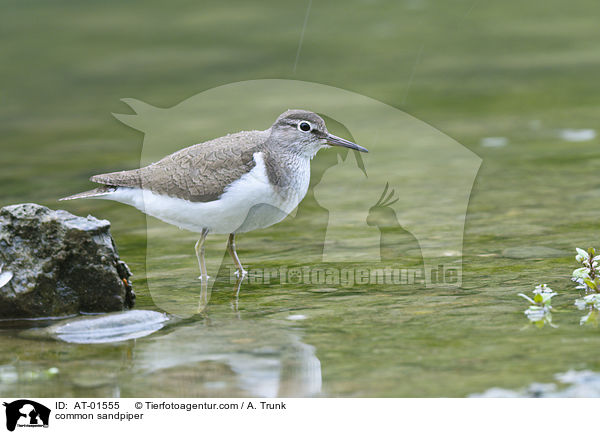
249 203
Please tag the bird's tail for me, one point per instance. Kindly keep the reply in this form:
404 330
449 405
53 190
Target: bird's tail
96 192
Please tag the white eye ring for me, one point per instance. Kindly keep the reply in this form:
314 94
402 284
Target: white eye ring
304 124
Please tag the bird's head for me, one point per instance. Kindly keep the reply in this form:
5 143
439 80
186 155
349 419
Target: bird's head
305 133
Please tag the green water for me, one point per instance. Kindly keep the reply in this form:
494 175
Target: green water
522 71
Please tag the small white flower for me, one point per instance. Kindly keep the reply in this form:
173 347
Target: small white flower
581 273
547 296
582 255
543 288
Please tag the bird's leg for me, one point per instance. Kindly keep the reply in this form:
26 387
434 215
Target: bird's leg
200 255
236 296
204 296
240 273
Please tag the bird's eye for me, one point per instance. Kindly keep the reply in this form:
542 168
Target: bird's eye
304 126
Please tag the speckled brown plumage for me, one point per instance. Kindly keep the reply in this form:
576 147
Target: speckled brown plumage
199 173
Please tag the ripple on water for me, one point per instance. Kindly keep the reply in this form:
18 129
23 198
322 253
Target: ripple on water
531 252
494 142
573 135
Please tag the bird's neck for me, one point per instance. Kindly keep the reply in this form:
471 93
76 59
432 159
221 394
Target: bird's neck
287 169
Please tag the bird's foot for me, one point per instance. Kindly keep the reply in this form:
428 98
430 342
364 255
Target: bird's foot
241 275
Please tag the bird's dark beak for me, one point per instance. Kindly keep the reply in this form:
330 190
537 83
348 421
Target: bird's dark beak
338 141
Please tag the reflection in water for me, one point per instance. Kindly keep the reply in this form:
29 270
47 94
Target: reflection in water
254 357
214 354
244 356
105 328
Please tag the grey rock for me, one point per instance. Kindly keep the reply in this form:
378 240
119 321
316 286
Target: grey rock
60 264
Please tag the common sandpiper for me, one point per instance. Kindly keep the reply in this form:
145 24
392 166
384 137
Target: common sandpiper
229 185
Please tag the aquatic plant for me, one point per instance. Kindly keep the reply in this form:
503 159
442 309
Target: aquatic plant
539 312
587 278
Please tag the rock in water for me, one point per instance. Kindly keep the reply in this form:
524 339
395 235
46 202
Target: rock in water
60 264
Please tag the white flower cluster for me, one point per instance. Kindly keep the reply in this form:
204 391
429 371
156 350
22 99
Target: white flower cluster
539 312
588 279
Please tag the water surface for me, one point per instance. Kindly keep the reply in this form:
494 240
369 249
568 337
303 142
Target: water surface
523 72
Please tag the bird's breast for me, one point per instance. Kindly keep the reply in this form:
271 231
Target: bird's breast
290 179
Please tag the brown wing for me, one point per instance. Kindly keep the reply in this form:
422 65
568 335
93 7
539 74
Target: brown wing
199 173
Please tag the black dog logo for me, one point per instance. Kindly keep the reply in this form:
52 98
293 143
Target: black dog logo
26 413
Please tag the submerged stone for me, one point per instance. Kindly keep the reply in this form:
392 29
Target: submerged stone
59 264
